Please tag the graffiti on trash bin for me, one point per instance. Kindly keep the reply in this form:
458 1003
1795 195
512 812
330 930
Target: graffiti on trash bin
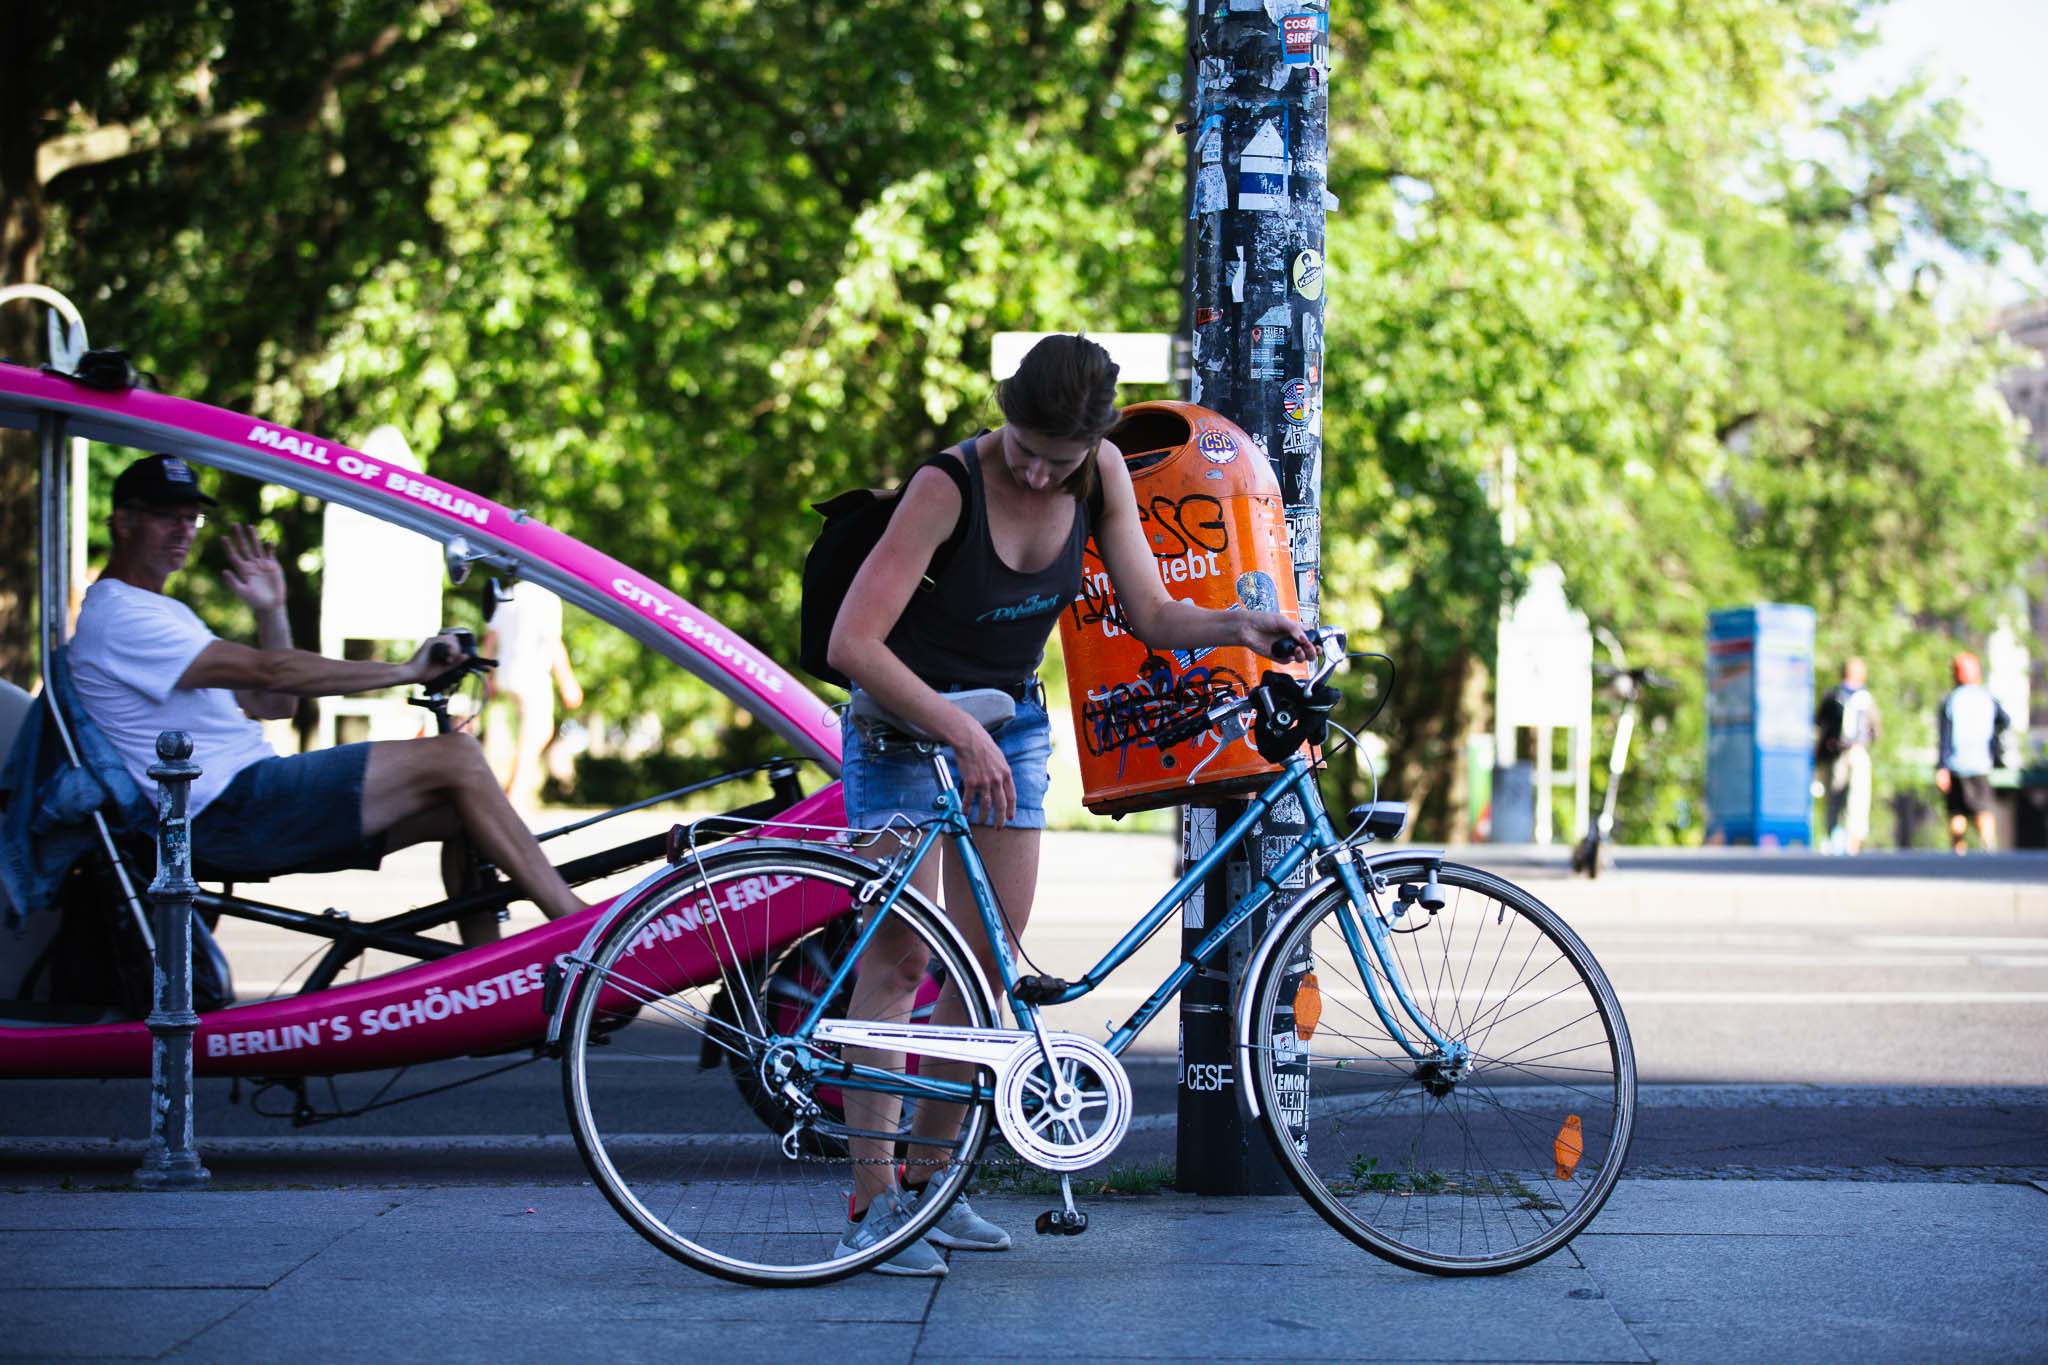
1119 718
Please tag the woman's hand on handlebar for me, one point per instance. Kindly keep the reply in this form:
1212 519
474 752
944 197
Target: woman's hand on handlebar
1274 635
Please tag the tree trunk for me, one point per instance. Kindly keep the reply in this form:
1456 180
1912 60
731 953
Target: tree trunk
21 248
1433 709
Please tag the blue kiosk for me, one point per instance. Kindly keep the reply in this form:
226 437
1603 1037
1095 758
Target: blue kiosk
1760 725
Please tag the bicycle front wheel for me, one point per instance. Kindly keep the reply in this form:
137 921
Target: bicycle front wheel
1453 1167
693 1093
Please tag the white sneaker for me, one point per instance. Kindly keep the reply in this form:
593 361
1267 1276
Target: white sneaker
883 1217
962 1229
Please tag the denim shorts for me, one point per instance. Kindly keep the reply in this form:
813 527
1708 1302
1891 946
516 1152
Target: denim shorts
293 813
879 786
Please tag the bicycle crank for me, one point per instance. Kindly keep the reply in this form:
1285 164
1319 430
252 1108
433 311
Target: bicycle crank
1059 1120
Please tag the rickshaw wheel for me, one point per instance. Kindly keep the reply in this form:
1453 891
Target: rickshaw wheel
789 990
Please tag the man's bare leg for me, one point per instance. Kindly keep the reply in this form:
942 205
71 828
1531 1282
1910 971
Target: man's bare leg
406 778
459 877
458 865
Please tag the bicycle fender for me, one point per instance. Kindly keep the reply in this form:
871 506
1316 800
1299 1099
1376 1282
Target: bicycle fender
1270 942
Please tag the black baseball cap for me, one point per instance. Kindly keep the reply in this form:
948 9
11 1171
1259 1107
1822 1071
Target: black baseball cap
158 481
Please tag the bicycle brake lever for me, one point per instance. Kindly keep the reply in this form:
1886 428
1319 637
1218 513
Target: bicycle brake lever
1230 730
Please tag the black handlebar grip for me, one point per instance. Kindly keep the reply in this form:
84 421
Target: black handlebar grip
1180 731
463 648
1287 651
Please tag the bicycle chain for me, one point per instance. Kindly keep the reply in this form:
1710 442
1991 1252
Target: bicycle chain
1002 1157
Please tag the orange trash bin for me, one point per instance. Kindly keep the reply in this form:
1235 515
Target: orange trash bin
1212 513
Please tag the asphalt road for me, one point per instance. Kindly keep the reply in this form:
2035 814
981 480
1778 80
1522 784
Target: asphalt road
1886 1016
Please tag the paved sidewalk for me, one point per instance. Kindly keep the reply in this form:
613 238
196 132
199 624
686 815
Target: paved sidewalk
1673 1270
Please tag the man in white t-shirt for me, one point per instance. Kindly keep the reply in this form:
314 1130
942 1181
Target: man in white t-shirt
143 663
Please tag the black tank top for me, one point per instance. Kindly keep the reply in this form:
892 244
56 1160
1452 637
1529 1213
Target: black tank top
983 624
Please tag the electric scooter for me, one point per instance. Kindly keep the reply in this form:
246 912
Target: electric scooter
1593 853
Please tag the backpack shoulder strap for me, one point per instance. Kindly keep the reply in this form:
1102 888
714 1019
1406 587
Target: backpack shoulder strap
957 472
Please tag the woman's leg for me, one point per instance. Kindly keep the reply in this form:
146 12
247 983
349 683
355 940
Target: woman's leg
891 970
1011 857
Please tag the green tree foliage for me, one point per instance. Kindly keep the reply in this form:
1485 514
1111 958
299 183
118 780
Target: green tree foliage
663 271
1626 243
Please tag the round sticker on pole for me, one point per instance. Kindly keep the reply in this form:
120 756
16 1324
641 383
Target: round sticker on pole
1294 398
1308 274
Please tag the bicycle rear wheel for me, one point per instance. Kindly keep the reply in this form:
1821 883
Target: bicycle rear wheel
1455 1174
676 997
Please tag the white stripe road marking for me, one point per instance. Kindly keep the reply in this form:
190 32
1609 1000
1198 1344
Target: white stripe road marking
1693 959
1950 942
1834 997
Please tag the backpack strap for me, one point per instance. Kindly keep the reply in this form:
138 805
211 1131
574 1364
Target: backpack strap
957 472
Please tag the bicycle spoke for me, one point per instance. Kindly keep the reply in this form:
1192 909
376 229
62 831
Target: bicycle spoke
1472 1161
707 1116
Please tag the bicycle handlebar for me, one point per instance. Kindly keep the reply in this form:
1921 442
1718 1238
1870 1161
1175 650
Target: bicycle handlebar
1327 641
1642 676
466 661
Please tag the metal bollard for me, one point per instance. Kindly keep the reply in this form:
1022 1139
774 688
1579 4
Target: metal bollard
172 1162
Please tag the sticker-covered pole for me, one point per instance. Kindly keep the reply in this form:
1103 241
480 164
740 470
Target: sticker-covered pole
1257 205
172 1162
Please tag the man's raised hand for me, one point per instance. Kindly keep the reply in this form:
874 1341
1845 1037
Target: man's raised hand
253 571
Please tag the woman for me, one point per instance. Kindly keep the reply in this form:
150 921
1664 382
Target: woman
1016 524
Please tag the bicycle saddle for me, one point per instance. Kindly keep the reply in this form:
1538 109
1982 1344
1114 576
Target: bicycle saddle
991 707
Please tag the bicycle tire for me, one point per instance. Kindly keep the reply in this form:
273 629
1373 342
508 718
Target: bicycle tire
675 1147
1469 1176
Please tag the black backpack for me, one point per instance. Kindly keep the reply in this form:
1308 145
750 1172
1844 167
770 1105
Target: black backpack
854 522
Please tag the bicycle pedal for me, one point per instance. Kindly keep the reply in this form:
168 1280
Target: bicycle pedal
1061 1223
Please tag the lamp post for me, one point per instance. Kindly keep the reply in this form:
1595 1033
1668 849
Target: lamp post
1257 205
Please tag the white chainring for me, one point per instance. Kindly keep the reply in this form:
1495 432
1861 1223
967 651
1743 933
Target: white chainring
1074 1122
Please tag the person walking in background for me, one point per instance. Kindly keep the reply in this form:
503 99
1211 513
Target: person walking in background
1972 727
1845 729
524 635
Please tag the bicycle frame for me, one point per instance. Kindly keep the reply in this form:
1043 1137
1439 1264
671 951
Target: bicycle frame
1320 838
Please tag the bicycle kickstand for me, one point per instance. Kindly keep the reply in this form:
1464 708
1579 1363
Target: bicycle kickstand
1067 1222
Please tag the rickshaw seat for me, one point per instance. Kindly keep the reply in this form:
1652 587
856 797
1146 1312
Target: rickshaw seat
47 801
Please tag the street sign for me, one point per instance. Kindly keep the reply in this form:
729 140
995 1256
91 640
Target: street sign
382 582
1546 657
1141 357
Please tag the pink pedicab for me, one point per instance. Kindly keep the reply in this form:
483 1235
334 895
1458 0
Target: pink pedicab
453 1002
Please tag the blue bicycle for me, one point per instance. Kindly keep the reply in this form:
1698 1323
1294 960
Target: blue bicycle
1442 1068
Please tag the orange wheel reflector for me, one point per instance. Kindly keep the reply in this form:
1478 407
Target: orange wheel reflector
1308 1007
1569 1147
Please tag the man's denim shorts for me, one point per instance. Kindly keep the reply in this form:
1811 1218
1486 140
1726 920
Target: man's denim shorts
293 813
901 782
